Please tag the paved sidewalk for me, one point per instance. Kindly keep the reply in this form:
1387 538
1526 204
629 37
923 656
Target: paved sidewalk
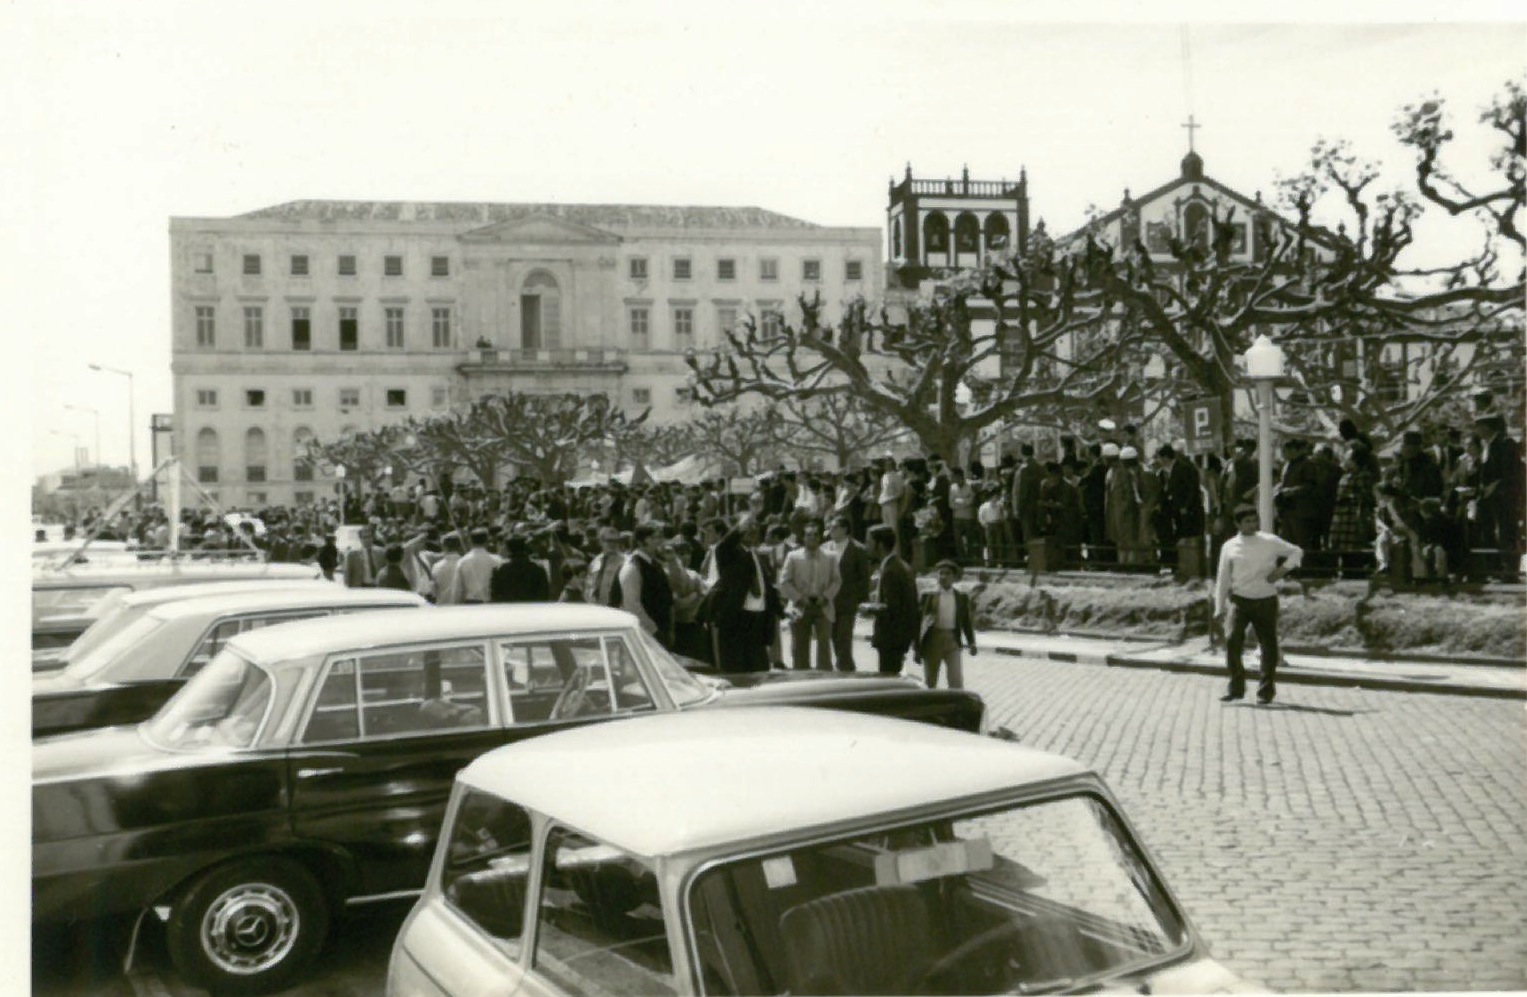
1195 655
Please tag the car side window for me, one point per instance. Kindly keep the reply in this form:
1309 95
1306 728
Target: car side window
402 692
487 866
220 634
600 920
559 678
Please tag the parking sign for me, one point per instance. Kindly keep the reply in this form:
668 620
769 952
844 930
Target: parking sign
1201 425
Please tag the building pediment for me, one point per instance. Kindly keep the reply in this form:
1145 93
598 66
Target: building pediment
539 229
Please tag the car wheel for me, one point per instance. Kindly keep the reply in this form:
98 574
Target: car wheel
248 927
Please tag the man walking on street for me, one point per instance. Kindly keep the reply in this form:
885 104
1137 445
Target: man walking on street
895 603
946 617
809 580
853 589
1245 592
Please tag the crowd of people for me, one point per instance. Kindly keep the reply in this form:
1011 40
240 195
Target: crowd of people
1445 506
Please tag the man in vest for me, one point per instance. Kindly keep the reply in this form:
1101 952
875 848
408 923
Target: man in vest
644 589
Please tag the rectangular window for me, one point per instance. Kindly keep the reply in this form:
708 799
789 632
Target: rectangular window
683 328
302 471
394 327
252 264
254 473
254 327
207 474
771 322
438 397
302 328
641 329
304 498
576 957
347 266
811 270
392 266
206 398
682 269
440 328
768 269
490 860
726 320
206 325
400 692
397 398
641 396
726 269
638 268
349 329
349 398
299 266
201 262
255 398
853 270
683 396
439 266
302 397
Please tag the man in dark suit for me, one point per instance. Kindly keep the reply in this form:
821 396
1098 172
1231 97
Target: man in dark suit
895 603
1297 498
1500 491
1025 497
1183 498
743 607
945 617
519 579
853 589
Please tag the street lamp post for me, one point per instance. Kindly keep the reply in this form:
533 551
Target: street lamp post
97 414
132 415
1264 366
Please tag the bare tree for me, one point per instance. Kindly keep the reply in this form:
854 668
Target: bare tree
547 432
747 440
838 425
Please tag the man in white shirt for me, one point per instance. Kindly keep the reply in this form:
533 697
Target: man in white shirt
605 568
474 572
447 584
809 580
1245 591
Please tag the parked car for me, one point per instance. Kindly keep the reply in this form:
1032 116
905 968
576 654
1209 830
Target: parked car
127 677
307 767
65 601
782 851
123 606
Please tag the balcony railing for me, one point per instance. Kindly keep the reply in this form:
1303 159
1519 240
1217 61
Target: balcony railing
601 358
955 188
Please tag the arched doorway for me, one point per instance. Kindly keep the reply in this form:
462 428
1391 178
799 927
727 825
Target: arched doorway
207 456
997 232
936 240
256 455
967 240
540 312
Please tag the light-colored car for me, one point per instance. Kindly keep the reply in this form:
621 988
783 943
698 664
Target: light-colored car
307 767
129 675
122 606
66 601
786 851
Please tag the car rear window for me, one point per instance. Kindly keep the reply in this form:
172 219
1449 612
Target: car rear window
95 664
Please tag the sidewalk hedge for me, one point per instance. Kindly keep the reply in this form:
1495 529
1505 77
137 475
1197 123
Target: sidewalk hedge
1337 617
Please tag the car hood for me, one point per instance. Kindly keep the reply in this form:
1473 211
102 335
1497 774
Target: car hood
1200 976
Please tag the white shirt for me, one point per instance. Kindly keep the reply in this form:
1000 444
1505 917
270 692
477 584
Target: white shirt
946 608
1246 561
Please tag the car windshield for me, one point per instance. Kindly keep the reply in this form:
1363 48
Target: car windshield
683 688
94 663
1037 898
221 706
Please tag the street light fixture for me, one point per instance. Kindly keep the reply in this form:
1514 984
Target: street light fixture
132 415
97 414
1264 367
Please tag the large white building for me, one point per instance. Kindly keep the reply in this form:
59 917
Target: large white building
311 318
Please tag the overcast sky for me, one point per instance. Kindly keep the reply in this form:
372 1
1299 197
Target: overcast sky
119 116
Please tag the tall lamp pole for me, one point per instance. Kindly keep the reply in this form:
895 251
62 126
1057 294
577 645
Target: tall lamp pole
1264 367
97 414
132 415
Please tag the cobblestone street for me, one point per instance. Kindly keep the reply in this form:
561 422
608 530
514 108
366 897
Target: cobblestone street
1342 840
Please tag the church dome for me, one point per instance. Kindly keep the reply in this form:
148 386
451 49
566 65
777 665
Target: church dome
1192 166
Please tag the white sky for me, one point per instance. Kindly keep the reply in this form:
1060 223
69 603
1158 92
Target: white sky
120 116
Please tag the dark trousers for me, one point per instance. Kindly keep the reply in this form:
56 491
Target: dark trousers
892 659
843 637
742 645
1262 614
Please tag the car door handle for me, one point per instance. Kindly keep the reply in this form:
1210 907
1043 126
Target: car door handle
315 773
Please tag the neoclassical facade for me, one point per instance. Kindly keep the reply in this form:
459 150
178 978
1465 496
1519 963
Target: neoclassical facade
311 318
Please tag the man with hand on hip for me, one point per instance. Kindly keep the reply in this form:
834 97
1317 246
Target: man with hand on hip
1246 592
946 617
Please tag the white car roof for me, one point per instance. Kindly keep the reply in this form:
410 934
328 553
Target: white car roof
155 573
275 597
196 590
384 627
677 782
